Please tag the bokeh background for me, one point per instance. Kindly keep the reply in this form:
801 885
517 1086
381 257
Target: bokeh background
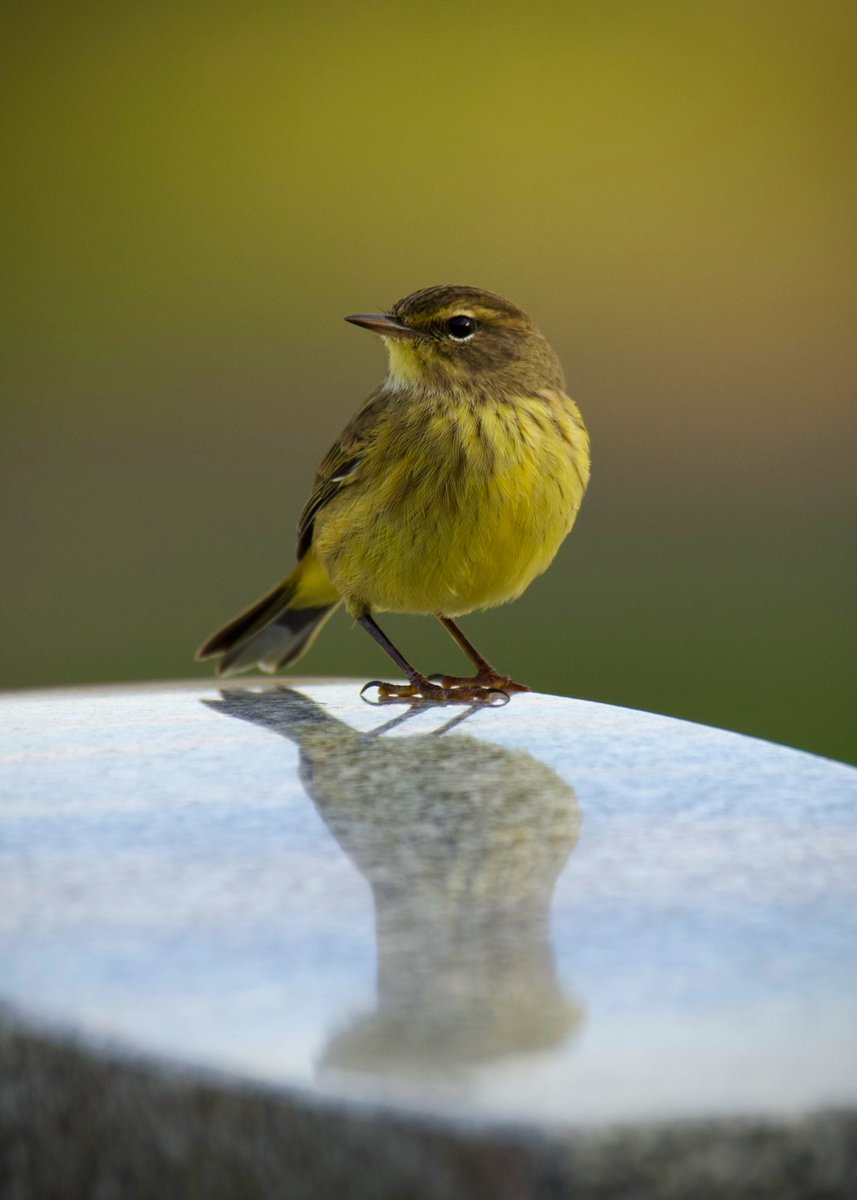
196 194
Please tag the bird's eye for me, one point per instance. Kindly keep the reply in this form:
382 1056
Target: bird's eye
461 328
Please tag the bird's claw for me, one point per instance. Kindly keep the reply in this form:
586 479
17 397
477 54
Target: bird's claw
492 681
424 691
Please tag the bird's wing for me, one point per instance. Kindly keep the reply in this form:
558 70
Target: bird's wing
341 465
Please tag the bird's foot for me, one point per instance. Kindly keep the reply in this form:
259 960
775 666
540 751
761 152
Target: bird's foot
491 679
421 690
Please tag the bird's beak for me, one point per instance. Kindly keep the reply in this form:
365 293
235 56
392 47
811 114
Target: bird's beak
382 323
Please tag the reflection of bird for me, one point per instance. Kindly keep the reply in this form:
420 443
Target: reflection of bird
451 490
461 842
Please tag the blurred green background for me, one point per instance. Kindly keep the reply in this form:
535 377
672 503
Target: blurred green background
196 194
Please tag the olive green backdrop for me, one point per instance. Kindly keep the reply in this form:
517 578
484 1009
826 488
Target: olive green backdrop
194 196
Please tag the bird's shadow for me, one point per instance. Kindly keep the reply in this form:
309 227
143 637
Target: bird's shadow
461 842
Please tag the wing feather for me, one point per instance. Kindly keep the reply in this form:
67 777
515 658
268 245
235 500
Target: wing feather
341 465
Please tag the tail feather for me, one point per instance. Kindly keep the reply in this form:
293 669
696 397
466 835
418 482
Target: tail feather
269 634
279 643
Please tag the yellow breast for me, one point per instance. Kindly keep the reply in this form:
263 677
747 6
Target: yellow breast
459 507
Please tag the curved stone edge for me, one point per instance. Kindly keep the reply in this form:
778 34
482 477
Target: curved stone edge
82 1122
197 684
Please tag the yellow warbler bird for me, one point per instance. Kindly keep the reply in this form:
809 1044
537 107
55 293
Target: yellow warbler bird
450 490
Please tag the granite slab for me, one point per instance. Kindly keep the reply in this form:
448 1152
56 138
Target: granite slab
550 920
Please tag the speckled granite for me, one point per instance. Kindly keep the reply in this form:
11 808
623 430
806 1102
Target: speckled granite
260 937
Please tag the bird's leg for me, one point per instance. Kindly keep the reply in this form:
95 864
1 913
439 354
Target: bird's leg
486 675
419 689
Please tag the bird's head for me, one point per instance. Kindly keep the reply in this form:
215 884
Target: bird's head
456 337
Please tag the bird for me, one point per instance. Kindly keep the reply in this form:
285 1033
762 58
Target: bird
449 492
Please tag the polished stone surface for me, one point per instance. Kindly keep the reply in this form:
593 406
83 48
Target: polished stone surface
553 912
